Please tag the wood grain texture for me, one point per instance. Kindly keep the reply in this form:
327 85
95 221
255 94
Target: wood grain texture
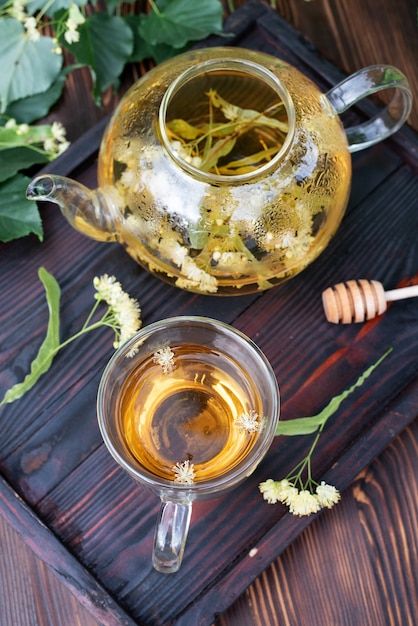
355 34
31 595
67 570
356 564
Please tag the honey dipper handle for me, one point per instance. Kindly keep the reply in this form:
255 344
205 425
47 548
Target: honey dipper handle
401 294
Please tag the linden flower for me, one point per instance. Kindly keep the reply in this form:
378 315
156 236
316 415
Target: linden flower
124 312
17 10
56 50
165 358
58 132
304 503
75 18
197 279
173 250
271 490
248 422
327 495
278 491
31 27
71 35
22 129
56 143
184 473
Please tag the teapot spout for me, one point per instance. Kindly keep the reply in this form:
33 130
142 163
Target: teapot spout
87 211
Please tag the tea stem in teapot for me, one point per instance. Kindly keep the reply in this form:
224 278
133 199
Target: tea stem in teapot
219 138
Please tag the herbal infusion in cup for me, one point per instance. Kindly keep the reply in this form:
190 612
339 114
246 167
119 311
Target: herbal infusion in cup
188 407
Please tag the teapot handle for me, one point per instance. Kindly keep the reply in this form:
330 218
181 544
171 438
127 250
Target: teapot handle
362 84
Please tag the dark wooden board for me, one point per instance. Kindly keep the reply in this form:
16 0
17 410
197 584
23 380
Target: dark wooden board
93 525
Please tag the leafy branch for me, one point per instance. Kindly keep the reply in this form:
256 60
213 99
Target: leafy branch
105 39
309 425
299 490
122 315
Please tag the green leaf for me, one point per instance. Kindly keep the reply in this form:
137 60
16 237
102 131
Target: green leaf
36 107
112 5
36 134
309 425
28 67
176 22
105 45
50 345
18 217
181 128
142 49
33 6
15 159
221 148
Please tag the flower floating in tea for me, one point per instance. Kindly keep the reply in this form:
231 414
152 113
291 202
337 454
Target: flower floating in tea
248 422
184 473
241 142
165 358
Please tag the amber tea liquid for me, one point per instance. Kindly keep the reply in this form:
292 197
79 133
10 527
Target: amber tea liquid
188 413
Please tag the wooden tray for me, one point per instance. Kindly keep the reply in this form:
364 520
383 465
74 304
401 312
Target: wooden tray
61 490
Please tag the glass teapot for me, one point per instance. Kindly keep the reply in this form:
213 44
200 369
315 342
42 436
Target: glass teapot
226 171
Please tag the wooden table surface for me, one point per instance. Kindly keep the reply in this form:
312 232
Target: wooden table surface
355 564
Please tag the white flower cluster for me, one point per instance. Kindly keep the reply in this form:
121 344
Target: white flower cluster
52 138
183 153
17 10
31 27
57 143
124 311
196 278
184 473
75 18
165 358
248 422
301 502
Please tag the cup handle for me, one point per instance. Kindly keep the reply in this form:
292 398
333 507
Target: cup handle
362 84
170 536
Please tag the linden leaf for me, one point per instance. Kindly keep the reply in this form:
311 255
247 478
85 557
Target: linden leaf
18 217
18 158
50 344
181 128
36 5
28 67
36 107
309 425
176 22
105 45
220 149
141 48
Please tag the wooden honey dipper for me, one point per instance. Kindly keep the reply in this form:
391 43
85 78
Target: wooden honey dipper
360 300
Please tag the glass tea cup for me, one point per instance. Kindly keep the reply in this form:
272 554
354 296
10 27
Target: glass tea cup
188 407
